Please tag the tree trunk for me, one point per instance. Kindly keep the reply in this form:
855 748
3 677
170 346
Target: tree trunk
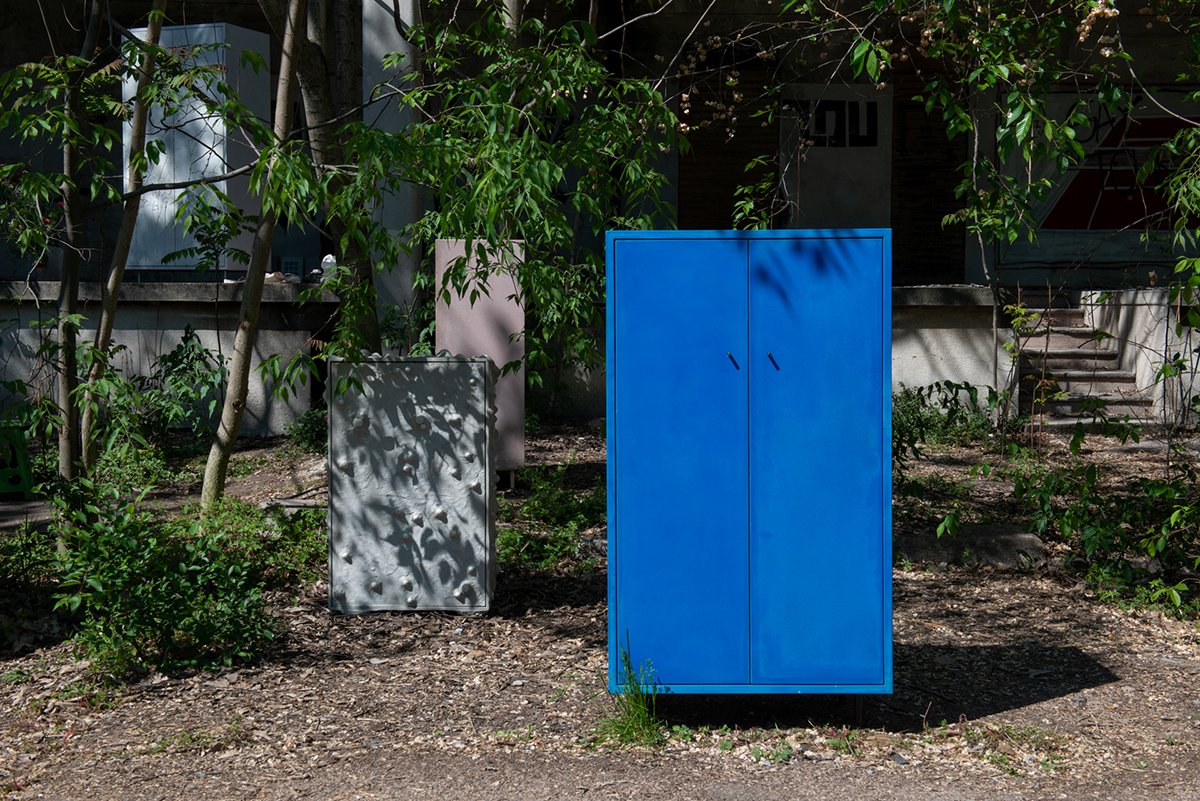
512 14
129 216
68 294
314 56
216 469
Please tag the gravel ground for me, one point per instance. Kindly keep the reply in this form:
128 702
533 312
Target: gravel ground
1009 684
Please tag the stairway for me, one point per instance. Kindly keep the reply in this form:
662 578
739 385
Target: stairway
1068 371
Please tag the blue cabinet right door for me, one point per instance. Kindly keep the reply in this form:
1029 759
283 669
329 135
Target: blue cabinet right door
820 461
750 460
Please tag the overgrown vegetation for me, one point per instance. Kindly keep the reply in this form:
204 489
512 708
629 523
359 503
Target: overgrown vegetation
943 413
161 592
144 426
1137 541
544 531
309 433
148 596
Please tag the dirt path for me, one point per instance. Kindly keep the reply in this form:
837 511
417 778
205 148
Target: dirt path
1009 685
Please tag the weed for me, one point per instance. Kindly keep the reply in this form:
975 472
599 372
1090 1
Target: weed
843 741
634 721
682 732
778 753
725 744
1138 542
17 676
96 693
551 502
942 413
516 547
1002 761
1001 743
27 558
513 736
544 531
246 464
216 739
924 499
287 548
1117 588
572 678
309 433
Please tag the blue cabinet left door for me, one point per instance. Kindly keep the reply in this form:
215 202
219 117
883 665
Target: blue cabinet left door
678 328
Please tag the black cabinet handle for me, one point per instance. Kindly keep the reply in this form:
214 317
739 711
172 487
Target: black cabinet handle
772 358
735 364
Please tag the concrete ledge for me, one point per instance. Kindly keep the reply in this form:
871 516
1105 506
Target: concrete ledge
944 295
160 292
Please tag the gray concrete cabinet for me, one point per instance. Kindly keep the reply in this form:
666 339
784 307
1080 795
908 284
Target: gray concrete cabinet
412 484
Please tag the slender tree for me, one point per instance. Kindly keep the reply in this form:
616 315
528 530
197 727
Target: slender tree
246 336
135 171
69 440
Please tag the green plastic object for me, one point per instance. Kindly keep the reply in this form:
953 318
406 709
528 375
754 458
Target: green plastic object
15 478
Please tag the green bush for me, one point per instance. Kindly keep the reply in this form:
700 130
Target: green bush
288 550
944 413
27 558
1133 536
551 502
150 595
310 431
182 392
516 547
545 528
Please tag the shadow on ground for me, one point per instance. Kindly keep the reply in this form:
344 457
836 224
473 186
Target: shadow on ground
933 683
520 592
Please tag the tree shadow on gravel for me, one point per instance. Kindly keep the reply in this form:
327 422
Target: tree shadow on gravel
521 592
933 683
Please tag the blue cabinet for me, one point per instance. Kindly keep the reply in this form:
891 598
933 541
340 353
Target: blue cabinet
749 459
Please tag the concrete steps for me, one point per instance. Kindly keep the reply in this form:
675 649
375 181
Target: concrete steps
1069 372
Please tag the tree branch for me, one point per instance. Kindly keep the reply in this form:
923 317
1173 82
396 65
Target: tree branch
626 24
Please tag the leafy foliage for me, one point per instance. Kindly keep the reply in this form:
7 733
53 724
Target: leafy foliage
1149 531
519 136
309 432
32 110
148 597
945 412
545 530
136 416
990 65
288 549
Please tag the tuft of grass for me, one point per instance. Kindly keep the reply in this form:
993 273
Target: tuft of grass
634 720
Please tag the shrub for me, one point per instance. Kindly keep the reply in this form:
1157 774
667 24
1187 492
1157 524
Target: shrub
151 597
310 431
1133 536
286 549
546 526
942 413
